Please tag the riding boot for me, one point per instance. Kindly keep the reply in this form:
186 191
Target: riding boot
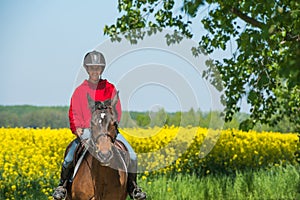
61 192
134 191
65 174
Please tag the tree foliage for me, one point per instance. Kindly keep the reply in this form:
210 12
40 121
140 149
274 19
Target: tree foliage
34 116
264 68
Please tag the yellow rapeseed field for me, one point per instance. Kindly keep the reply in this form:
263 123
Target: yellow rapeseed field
31 158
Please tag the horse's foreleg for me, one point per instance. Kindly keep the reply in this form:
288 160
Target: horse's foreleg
123 178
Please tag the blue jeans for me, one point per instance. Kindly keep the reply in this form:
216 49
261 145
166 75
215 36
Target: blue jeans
70 155
86 135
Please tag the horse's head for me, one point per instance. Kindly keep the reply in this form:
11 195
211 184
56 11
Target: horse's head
103 127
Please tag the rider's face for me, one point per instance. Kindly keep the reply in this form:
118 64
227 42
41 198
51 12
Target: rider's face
94 72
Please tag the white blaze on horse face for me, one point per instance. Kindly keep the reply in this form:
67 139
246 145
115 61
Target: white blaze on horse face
102 115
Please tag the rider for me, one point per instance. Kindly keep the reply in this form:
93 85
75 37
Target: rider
80 116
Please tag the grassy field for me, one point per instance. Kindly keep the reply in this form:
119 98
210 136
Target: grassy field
282 183
272 184
275 183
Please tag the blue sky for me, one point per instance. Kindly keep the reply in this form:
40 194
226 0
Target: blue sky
42 46
43 43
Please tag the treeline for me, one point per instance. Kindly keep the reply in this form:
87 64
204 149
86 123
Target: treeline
34 116
57 117
191 118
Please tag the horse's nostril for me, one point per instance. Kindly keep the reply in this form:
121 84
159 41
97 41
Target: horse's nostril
99 154
105 157
109 154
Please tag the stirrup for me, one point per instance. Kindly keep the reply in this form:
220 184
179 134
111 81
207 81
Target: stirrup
138 194
60 193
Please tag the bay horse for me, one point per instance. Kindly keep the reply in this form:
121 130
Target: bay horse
102 174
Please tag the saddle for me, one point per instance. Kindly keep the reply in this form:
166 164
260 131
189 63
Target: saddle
81 150
78 153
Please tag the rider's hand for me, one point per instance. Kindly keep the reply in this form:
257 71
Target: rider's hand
79 132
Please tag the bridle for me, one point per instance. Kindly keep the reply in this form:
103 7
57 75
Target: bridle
113 139
103 109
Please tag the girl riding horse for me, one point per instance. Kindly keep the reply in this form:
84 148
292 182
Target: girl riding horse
80 116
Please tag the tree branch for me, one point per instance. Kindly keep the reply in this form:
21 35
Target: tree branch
247 19
237 12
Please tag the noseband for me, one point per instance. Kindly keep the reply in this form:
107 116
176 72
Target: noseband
113 139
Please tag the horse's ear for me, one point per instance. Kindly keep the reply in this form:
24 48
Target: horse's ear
115 99
91 102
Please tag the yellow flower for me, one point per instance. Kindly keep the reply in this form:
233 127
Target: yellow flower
234 156
35 155
13 187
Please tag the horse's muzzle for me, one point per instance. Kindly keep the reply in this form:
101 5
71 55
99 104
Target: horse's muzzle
105 158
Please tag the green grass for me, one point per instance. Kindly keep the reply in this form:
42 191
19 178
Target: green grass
275 183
